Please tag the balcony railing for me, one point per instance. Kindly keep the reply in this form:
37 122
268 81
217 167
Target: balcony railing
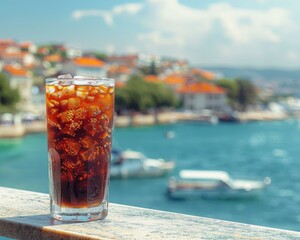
25 215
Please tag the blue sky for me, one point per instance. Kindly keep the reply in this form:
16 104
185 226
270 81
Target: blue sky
252 33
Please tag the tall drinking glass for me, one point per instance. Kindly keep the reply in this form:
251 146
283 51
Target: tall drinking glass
79 121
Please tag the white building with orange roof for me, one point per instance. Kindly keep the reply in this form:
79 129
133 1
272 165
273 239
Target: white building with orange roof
203 75
8 45
28 47
22 58
153 78
198 96
175 80
21 79
86 66
53 60
124 60
119 72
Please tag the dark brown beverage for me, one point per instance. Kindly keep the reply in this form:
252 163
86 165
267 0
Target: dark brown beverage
79 120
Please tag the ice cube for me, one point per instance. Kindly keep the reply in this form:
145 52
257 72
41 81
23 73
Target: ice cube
111 90
68 91
50 89
74 103
65 76
90 153
94 111
85 77
53 124
69 146
64 102
87 142
81 94
83 88
94 92
91 126
79 77
80 114
103 89
91 98
71 128
66 116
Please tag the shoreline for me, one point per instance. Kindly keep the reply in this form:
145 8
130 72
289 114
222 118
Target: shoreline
20 130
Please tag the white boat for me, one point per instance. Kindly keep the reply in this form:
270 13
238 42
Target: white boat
213 184
133 164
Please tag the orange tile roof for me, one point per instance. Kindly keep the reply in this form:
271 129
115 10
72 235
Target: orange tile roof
120 84
152 78
175 79
113 69
88 62
16 71
13 54
25 44
204 88
205 74
123 57
7 42
43 50
53 58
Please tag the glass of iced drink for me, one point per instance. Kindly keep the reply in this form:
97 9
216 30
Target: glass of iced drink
79 120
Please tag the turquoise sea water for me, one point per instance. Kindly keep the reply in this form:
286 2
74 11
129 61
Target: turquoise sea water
248 150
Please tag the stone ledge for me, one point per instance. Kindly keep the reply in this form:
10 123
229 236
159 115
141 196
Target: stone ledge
25 215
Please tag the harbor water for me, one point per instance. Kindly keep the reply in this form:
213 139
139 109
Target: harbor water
248 150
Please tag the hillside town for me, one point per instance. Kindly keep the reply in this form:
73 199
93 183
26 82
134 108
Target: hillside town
26 65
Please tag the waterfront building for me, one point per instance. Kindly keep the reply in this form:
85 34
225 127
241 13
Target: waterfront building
175 80
119 72
20 78
20 57
53 60
86 66
198 96
124 60
28 47
8 45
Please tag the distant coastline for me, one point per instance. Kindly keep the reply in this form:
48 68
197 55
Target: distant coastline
20 130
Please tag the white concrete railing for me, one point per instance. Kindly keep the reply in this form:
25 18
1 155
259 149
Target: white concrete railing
25 215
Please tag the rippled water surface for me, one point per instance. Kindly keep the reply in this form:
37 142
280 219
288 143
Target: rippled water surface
249 150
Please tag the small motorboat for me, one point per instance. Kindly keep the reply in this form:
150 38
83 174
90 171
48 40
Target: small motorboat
213 184
133 164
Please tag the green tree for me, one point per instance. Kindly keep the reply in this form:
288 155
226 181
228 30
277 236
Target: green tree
240 92
232 90
139 95
247 93
8 96
121 100
101 56
153 69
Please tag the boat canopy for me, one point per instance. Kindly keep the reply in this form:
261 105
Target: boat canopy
208 175
128 154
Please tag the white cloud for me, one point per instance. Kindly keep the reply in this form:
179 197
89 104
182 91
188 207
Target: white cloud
217 34
108 16
130 8
238 25
157 38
